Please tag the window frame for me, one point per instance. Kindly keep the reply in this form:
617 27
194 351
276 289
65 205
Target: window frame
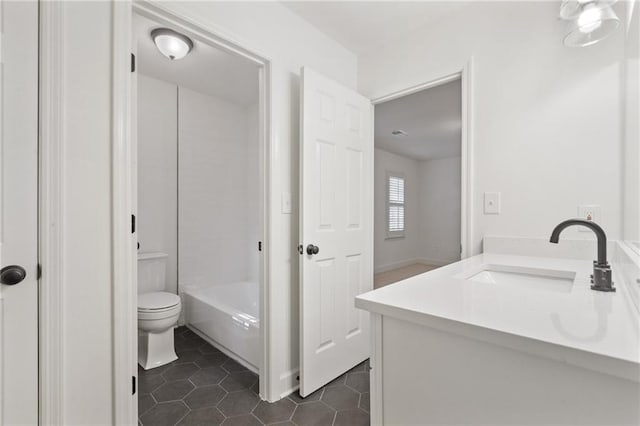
388 204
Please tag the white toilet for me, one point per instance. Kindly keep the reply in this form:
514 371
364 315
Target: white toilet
158 312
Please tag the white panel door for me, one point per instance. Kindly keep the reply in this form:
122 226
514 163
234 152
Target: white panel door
336 210
18 214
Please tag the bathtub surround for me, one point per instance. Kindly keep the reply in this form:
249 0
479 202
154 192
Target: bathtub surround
203 386
432 212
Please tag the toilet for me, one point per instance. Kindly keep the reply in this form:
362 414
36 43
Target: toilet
158 312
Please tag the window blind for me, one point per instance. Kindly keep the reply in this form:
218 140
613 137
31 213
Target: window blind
395 203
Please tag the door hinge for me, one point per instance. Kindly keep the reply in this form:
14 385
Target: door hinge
39 272
133 63
300 249
259 245
133 223
133 385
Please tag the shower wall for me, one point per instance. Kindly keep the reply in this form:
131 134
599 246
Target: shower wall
198 184
217 175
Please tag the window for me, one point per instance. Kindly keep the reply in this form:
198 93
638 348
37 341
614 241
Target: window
395 205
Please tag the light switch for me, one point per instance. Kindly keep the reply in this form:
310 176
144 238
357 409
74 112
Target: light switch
286 203
588 212
491 203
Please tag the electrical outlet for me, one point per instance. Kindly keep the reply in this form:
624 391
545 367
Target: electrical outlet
588 212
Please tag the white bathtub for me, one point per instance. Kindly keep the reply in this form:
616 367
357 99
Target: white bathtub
228 315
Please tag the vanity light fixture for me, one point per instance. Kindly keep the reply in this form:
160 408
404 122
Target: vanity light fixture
171 44
589 21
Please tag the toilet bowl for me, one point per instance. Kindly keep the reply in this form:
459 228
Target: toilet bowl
158 313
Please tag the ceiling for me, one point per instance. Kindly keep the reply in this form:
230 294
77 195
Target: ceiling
205 69
362 26
431 118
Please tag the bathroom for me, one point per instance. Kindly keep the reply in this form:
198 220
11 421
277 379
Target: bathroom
199 186
113 146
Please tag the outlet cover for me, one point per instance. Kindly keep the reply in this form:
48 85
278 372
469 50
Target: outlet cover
491 203
588 212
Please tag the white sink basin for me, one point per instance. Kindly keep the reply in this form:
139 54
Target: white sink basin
523 277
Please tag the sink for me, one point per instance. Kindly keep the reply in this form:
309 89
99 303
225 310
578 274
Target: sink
523 277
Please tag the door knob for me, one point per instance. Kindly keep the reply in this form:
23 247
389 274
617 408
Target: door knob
311 249
12 274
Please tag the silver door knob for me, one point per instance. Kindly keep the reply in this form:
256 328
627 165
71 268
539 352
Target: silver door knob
311 249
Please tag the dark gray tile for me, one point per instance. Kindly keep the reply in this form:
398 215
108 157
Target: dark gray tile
147 383
365 401
287 423
341 397
256 387
232 366
244 420
191 343
208 376
358 381
187 356
313 414
295 396
239 380
237 403
337 381
180 371
212 360
203 417
145 402
208 349
278 411
206 396
166 413
353 417
358 368
173 391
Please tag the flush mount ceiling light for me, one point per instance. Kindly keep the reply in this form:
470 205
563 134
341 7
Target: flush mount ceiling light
590 21
399 133
171 44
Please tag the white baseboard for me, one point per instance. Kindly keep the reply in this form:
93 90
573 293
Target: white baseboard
289 381
408 262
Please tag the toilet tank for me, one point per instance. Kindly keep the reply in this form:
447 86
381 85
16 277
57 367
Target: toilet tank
152 272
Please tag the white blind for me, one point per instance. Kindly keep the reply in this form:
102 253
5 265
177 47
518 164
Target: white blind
396 203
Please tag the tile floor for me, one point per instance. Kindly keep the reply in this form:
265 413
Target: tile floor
205 387
382 279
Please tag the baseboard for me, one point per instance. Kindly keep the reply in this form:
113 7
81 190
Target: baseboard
289 381
434 262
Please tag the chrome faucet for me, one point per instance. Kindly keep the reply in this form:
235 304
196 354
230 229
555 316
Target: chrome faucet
601 277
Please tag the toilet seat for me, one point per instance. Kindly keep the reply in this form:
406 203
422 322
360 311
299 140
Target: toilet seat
157 302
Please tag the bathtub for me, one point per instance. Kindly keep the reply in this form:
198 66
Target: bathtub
227 315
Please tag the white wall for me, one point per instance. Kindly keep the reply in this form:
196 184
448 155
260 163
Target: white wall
632 124
270 30
547 127
439 198
432 212
213 216
86 261
391 253
157 220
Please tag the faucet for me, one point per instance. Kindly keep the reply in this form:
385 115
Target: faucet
601 277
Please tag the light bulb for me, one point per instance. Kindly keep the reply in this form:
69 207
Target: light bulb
590 19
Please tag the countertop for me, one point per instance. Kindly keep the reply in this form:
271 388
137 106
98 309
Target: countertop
591 329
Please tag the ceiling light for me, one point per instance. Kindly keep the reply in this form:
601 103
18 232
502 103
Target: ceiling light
399 133
590 21
171 44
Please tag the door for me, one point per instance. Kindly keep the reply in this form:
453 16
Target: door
336 211
18 214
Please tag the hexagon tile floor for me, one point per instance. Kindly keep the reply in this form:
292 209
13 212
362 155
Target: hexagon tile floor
205 387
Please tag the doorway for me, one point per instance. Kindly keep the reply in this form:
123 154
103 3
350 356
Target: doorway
200 167
418 182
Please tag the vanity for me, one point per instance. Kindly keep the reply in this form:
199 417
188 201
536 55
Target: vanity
512 336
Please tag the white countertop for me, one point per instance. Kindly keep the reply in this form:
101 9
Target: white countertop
592 329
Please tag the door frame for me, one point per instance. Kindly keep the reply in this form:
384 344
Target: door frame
125 294
465 74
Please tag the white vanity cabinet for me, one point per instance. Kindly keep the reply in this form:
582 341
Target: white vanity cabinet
448 349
